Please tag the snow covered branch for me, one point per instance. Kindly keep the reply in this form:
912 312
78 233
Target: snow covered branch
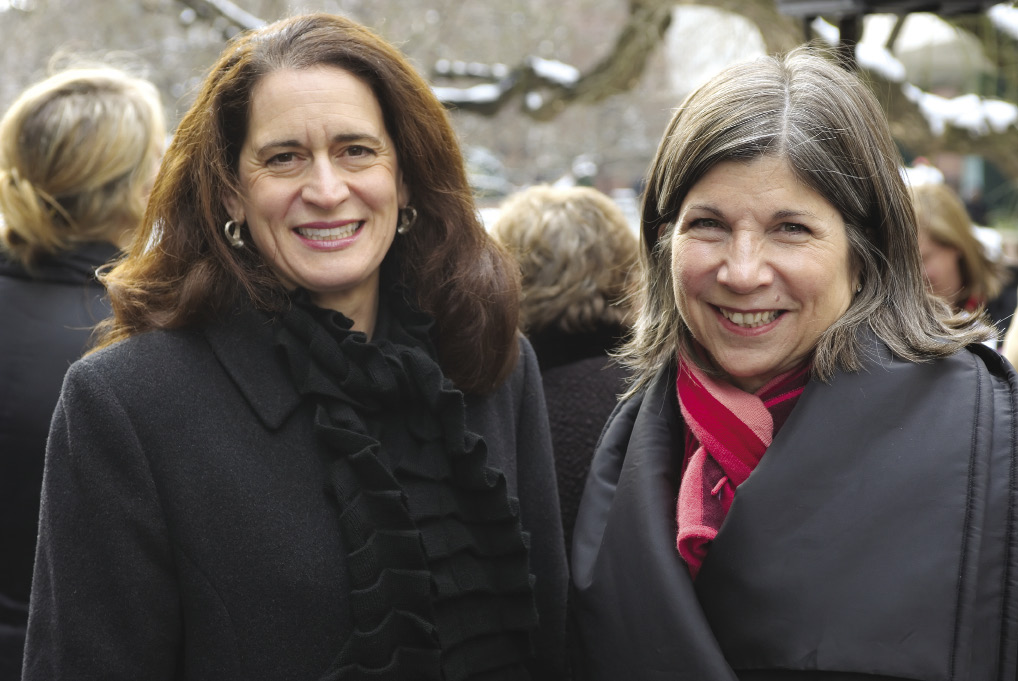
228 10
546 87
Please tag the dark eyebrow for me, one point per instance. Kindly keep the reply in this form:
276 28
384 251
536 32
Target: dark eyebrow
346 138
343 138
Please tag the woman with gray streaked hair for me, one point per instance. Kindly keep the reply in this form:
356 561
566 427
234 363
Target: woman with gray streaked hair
811 476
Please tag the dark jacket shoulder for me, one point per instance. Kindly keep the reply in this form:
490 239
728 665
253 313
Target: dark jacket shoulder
871 470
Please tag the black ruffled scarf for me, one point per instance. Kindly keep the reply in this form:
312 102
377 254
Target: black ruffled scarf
438 561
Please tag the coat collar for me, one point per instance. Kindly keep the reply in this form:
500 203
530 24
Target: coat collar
74 266
854 487
243 342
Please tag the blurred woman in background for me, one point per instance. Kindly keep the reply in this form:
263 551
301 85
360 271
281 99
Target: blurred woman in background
958 269
578 258
78 153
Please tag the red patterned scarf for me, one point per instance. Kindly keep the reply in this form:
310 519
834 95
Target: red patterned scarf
728 431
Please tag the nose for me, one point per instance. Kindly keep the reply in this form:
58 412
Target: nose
744 266
325 185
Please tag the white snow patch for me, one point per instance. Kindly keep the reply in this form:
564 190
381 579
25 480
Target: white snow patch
922 174
878 58
1005 17
555 71
477 94
970 112
826 31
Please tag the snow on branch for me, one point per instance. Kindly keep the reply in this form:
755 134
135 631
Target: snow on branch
1005 17
546 87
974 114
532 76
552 71
228 10
486 93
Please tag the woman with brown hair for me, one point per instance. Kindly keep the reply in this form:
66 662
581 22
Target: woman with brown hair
812 476
78 151
956 265
312 445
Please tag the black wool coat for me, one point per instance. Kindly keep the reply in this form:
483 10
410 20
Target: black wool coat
876 539
185 531
581 388
48 313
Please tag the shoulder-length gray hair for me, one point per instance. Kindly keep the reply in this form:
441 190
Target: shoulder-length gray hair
824 121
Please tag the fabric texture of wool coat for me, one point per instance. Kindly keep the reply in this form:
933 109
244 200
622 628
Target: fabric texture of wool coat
581 388
185 532
48 314
876 539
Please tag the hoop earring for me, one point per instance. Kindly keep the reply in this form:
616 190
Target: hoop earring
407 218
232 231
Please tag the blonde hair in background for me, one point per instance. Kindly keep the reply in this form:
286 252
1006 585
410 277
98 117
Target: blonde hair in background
942 215
78 152
577 255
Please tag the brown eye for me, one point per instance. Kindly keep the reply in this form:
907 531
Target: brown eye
704 223
794 228
282 159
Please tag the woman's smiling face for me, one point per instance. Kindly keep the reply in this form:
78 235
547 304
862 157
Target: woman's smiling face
320 186
761 268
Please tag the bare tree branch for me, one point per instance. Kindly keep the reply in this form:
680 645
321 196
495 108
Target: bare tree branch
228 10
892 37
911 128
780 32
544 97
644 30
620 70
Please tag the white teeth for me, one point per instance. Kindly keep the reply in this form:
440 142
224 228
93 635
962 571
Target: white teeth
750 320
329 234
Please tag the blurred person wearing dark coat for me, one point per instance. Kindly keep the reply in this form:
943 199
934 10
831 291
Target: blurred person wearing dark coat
311 443
578 259
78 152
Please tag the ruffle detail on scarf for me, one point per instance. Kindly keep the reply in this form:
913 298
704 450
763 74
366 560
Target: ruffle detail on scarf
437 558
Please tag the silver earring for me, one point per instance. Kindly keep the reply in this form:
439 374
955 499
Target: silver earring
858 288
232 230
407 218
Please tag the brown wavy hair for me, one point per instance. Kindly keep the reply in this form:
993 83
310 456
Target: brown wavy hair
942 215
181 270
804 108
